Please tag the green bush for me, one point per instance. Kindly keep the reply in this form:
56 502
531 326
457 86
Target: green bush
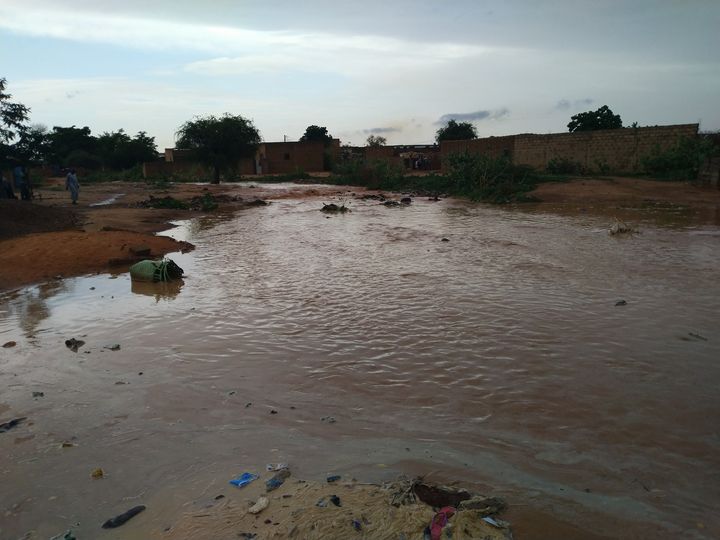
484 178
680 162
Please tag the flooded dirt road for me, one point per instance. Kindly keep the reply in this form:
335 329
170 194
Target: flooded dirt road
498 358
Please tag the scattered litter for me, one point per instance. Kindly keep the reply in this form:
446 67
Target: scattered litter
112 347
439 521
221 496
444 239
277 480
7 426
621 303
272 467
697 336
357 525
74 344
68 444
328 419
335 500
123 518
333 478
38 394
261 504
322 503
97 473
9 344
498 523
244 479
248 405
273 411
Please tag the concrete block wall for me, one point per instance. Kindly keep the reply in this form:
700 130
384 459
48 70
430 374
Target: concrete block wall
617 150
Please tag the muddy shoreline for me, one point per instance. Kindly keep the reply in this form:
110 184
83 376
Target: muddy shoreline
107 220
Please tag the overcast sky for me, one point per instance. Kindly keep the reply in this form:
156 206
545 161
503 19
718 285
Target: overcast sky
398 68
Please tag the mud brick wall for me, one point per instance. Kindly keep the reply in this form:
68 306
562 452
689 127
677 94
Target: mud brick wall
191 169
290 157
494 147
383 153
618 150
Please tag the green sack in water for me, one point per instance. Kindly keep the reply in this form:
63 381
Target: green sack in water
162 270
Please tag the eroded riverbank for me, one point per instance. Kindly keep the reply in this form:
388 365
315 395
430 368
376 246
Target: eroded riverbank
497 358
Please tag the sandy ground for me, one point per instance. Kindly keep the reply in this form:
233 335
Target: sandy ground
627 191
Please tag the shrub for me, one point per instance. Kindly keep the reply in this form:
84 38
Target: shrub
679 162
484 178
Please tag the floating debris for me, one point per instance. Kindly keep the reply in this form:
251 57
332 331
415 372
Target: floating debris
620 227
15 422
123 518
74 344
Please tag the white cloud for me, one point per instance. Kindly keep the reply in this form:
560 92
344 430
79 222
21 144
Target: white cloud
238 50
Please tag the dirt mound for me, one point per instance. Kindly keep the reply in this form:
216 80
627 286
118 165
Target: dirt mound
39 257
22 217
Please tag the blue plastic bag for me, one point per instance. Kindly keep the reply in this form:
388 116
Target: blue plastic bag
244 479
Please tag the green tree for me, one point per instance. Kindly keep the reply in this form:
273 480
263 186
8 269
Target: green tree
603 118
12 115
375 140
33 146
456 131
76 143
118 150
316 133
219 142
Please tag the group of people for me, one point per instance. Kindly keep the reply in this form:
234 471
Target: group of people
21 182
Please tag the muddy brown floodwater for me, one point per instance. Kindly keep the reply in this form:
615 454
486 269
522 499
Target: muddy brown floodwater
498 358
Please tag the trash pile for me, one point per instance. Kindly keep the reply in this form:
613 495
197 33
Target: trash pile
283 507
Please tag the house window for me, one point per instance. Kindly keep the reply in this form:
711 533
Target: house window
286 157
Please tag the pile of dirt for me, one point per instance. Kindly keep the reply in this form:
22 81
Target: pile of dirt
18 218
43 256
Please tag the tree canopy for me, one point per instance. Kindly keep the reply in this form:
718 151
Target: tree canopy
12 115
316 133
219 142
603 118
376 140
456 131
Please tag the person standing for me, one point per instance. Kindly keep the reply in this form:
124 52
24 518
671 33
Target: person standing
21 183
72 184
